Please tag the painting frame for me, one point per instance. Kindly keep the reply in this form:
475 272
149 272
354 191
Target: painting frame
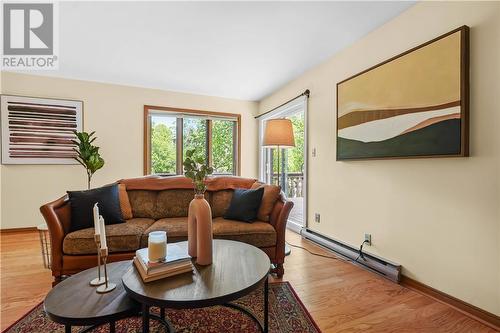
464 98
34 135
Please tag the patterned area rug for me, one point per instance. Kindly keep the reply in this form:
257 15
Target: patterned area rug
286 314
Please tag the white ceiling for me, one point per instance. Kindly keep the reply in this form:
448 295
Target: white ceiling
242 50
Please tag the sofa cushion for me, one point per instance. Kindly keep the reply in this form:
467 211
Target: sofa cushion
271 194
244 205
143 203
258 233
121 237
219 201
176 228
173 203
82 204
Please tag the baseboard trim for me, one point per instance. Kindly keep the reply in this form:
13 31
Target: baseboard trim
470 310
14 230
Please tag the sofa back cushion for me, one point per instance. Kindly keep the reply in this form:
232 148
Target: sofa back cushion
173 203
219 201
160 204
143 203
271 195
165 197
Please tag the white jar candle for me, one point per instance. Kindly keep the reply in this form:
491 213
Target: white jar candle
157 246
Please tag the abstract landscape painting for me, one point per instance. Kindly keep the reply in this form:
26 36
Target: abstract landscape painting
39 130
413 105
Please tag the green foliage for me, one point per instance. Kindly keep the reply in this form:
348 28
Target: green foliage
88 154
296 154
196 169
222 146
163 149
294 157
195 137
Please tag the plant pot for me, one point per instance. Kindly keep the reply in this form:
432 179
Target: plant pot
200 230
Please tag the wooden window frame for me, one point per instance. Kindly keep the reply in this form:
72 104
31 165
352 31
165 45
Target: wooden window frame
179 136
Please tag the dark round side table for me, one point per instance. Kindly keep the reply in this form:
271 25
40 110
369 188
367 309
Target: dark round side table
74 302
237 269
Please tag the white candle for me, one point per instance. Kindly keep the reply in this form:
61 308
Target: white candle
157 246
96 219
103 233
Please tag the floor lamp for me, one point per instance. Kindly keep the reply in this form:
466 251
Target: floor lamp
279 134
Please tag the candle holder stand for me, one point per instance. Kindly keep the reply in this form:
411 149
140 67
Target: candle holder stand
98 280
107 286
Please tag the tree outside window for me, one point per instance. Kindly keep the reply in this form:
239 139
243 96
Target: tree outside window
223 146
212 139
163 145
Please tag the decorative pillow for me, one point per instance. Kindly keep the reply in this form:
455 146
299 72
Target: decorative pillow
244 205
271 194
124 202
82 204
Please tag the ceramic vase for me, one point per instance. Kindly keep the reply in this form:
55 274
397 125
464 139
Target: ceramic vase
200 230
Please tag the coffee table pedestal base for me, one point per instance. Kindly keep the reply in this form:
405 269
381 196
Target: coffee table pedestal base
112 328
146 315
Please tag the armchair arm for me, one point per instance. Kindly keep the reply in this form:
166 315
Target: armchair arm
279 218
57 215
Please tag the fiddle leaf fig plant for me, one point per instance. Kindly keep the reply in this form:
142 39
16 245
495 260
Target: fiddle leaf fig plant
87 154
196 169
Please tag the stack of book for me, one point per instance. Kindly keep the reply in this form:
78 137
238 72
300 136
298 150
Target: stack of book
177 262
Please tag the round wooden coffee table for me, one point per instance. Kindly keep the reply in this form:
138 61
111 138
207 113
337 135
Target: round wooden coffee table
237 269
74 302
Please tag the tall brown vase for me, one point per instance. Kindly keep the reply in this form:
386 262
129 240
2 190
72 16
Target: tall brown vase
200 230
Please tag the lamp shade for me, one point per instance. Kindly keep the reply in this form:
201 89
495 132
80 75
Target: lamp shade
278 132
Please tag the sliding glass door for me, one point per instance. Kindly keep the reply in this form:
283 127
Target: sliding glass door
291 161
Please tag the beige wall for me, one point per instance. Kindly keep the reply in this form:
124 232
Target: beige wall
1 165
116 114
438 217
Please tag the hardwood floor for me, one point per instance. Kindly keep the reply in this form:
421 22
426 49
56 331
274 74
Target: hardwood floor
343 297
24 281
340 296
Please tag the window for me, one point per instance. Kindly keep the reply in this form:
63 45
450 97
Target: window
194 136
170 132
222 148
163 144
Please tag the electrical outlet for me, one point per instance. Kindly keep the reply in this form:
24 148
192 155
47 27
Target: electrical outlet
368 238
314 152
317 217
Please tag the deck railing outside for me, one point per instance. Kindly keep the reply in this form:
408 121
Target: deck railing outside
293 184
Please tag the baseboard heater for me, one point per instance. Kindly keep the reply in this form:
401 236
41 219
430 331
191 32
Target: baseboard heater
388 269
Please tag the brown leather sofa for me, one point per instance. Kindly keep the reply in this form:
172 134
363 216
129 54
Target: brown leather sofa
161 203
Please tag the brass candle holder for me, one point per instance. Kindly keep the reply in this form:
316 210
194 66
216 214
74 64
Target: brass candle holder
107 286
98 280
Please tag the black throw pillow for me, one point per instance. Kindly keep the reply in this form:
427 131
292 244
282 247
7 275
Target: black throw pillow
82 204
244 205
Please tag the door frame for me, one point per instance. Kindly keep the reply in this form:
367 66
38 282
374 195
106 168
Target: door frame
299 103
